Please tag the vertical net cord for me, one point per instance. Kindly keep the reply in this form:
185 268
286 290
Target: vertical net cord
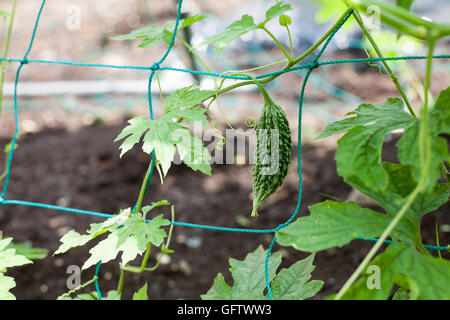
154 68
299 144
16 116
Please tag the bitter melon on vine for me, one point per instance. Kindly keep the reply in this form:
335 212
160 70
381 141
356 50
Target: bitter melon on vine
273 151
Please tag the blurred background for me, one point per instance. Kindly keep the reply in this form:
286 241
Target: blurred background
70 115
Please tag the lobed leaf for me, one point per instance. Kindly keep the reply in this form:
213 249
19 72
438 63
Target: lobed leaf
358 156
425 276
151 35
249 279
243 26
141 294
332 224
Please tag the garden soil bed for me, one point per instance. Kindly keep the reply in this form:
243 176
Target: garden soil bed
83 170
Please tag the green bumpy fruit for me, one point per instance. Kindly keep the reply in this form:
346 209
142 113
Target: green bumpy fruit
273 151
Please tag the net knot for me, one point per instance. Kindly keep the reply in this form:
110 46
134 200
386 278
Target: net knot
155 66
24 61
314 65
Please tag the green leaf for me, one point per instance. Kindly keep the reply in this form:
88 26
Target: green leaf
277 10
112 295
331 10
332 224
129 234
133 133
249 279
141 294
385 114
243 26
358 156
405 266
8 147
154 205
142 231
405 3
170 26
106 250
292 283
232 32
435 147
440 114
72 239
284 20
151 35
8 257
392 198
220 290
191 150
4 14
165 136
6 283
26 250
180 104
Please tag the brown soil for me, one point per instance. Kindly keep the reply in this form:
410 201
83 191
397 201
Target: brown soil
83 170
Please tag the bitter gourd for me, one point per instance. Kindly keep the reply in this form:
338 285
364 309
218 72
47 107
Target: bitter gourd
273 151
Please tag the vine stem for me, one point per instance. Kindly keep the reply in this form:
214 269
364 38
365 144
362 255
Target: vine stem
121 281
5 52
143 187
289 64
194 53
290 42
385 64
378 244
425 162
277 42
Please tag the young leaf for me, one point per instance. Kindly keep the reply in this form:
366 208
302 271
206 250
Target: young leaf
182 102
153 34
72 239
232 32
141 294
405 266
332 224
4 14
143 232
243 26
249 279
277 10
170 26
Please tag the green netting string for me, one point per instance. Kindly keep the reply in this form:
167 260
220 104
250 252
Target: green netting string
154 68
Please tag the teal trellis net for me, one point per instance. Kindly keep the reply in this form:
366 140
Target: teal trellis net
153 68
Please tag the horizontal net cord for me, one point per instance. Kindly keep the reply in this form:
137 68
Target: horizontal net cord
154 68
176 223
218 75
